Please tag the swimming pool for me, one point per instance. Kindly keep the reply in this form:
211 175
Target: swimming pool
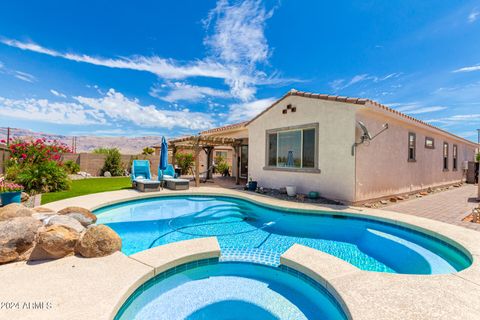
260 233
230 291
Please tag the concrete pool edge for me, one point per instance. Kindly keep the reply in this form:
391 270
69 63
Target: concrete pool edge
385 296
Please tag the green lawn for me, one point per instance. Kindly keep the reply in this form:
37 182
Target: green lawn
88 186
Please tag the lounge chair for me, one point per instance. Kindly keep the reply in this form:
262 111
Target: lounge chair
170 179
142 178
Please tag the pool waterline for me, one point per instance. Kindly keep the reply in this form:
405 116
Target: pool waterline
367 243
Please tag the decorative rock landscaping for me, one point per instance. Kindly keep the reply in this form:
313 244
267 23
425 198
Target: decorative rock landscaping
39 234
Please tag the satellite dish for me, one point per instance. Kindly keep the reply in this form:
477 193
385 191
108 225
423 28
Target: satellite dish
366 135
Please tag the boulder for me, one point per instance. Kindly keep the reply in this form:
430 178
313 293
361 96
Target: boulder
84 216
107 174
17 234
98 241
43 210
7 254
10 211
64 220
57 241
43 216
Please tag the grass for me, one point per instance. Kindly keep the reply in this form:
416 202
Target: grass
88 186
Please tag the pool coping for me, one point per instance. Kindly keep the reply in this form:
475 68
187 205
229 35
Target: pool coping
366 294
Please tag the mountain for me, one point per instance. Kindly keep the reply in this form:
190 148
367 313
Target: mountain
127 145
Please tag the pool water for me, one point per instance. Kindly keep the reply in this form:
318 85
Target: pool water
256 231
230 291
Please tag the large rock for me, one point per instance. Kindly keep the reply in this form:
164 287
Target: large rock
84 216
7 254
13 210
57 241
43 210
66 221
17 235
25 197
98 241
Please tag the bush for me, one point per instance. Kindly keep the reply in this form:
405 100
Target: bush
37 165
43 177
147 151
222 166
185 162
71 167
113 161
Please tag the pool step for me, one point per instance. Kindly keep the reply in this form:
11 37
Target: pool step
266 257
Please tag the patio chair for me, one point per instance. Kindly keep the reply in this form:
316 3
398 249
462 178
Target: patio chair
170 179
142 178
168 173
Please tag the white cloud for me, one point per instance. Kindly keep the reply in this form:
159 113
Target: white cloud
456 119
473 16
239 42
117 107
57 94
341 84
52 112
415 108
468 69
17 74
236 47
248 110
113 108
180 91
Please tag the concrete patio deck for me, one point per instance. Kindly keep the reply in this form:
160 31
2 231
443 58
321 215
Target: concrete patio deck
449 206
79 288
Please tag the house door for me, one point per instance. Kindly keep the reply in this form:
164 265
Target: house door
244 161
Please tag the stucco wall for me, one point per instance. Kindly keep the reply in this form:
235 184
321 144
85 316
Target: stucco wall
335 138
382 166
92 163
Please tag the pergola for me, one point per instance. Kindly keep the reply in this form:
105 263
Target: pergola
206 143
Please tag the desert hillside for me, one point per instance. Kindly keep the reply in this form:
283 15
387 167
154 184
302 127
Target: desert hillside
127 145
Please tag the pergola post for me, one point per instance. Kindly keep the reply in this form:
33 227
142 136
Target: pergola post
197 161
237 156
208 151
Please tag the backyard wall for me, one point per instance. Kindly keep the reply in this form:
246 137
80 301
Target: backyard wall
382 166
336 134
92 163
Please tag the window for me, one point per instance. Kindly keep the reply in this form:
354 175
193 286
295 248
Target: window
454 153
445 156
222 154
294 149
412 146
429 143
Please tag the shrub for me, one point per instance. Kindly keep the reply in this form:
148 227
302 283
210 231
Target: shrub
71 167
44 177
222 166
185 162
113 161
147 151
37 165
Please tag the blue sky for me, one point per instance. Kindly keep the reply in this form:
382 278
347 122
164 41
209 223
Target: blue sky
176 67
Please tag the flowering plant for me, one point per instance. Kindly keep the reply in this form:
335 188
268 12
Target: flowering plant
10 187
38 151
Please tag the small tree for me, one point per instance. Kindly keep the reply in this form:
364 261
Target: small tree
478 157
147 151
113 161
185 162
222 166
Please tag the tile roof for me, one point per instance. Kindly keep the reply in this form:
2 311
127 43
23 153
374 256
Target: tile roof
359 101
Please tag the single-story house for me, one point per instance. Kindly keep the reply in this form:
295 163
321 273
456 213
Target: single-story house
330 144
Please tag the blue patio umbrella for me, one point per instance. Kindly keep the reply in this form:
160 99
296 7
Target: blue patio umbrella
163 155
